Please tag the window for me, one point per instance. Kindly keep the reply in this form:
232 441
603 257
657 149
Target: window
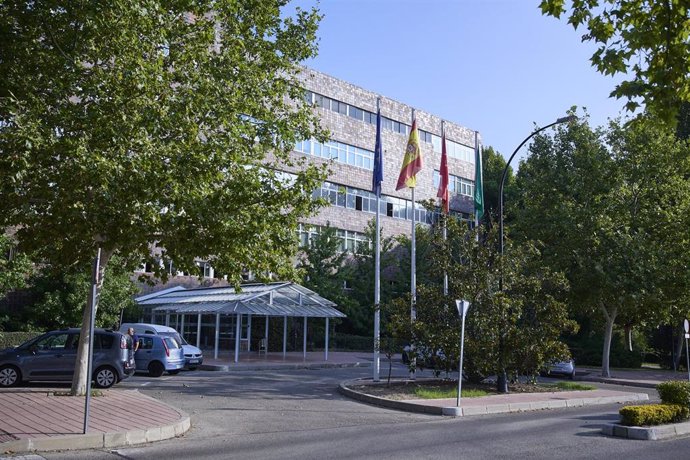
342 153
456 185
356 113
145 343
52 342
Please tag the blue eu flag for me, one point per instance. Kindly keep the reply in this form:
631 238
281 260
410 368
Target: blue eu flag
378 158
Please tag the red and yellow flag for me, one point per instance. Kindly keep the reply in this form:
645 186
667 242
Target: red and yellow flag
412 163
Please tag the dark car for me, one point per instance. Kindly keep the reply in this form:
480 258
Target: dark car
53 355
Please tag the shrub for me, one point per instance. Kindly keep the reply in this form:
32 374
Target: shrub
653 414
675 392
12 339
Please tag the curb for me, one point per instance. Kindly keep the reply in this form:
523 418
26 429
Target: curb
489 408
281 366
654 433
622 382
100 440
383 402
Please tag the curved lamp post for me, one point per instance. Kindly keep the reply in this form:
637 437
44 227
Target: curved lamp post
502 381
505 172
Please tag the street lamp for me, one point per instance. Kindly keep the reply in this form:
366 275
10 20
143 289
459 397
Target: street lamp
502 382
505 172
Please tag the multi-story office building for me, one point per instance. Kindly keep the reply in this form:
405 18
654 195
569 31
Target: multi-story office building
349 113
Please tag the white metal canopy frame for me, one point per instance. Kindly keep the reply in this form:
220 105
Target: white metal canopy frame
280 299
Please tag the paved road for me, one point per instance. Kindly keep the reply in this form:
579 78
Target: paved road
300 415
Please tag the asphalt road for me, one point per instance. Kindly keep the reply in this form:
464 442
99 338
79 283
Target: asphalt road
300 415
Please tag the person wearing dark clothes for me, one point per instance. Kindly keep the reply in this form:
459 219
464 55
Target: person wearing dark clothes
132 342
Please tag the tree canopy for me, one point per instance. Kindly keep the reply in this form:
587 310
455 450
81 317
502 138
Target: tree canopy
129 124
609 207
644 39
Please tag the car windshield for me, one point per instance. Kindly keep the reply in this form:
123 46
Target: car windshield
175 336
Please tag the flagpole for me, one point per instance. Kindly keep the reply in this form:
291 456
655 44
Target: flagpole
478 158
413 279
444 216
377 263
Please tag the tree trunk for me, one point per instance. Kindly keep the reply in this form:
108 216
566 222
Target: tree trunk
608 334
81 368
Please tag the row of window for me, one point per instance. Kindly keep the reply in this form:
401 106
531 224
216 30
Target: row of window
342 153
456 184
453 149
364 200
350 241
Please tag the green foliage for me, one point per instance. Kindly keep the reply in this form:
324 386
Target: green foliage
517 328
323 264
675 392
15 270
645 40
653 414
360 276
125 124
573 386
447 393
613 208
493 164
12 339
61 297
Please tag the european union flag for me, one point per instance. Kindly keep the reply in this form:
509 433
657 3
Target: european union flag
378 158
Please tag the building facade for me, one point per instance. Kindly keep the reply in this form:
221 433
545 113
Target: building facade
348 112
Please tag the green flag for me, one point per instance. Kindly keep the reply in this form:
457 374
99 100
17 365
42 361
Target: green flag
478 189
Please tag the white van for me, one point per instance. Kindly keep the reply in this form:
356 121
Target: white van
193 357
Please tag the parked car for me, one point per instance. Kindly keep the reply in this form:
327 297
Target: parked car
192 355
564 368
158 354
52 357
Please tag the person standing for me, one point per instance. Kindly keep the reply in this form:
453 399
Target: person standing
132 342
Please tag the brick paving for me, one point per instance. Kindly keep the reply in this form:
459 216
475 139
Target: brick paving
36 413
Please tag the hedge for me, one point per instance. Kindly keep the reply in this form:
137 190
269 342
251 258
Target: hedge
675 392
653 414
12 339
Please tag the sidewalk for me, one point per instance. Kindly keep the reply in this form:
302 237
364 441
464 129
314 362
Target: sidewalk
33 419
41 420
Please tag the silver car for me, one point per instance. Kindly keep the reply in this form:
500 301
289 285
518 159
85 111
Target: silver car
564 368
52 357
158 354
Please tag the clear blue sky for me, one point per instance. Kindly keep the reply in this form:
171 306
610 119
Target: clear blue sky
495 66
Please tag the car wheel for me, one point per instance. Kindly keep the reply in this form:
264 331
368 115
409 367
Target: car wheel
174 372
105 377
156 369
10 376
572 376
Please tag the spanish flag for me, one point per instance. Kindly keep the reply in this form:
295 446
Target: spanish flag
412 163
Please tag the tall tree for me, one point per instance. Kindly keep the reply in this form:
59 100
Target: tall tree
127 124
360 278
323 264
608 208
494 164
514 330
645 39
